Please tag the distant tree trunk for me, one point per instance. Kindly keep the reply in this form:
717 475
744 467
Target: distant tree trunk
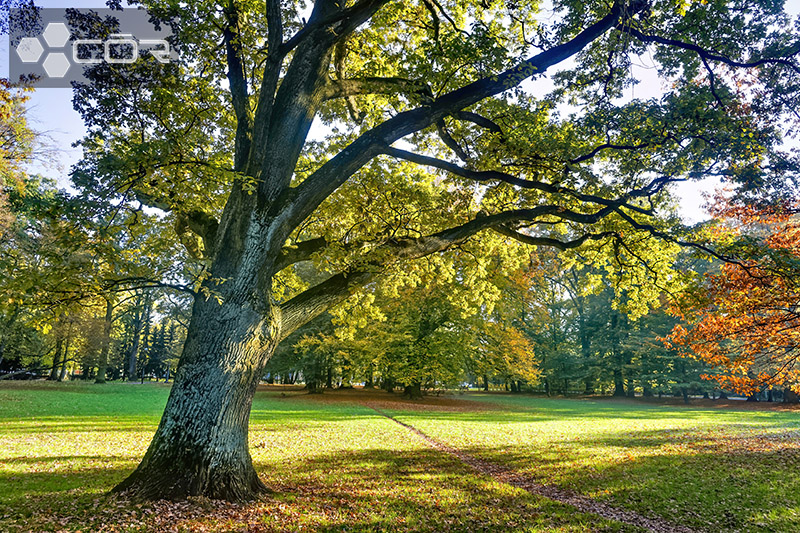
133 353
56 357
770 397
368 383
103 363
722 395
413 391
647 391
485 383
586 353
619 384
329 378
631 392
12 318
388 385
685 393
789 396
65 356
753 397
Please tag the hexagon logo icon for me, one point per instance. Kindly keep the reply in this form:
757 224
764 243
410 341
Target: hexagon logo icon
56 34
29 50
56 65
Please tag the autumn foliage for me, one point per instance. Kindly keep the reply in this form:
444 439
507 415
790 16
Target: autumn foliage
745 319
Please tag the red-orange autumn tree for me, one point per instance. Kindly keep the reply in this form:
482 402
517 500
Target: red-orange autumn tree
745 319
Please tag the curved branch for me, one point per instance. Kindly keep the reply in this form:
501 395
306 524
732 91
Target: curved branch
483 176
710 55
554 243
480 120
301 251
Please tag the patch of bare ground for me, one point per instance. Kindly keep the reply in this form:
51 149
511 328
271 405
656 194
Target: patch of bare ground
380 398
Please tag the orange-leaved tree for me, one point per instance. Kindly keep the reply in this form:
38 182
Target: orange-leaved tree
745 318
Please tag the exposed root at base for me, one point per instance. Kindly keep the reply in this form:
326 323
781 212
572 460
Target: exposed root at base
145 486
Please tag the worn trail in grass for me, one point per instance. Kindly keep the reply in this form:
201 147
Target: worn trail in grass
504 474
333 465
708 469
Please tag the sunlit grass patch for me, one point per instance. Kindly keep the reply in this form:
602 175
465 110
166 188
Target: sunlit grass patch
711 469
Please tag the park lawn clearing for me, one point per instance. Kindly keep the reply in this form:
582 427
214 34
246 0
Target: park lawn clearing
333 466
709 469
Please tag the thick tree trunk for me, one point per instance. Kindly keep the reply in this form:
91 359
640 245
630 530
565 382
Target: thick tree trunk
201 445
103 362
485 383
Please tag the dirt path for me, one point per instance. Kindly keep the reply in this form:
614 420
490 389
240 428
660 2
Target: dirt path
507 475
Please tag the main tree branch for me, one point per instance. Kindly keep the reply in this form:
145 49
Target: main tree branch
298 203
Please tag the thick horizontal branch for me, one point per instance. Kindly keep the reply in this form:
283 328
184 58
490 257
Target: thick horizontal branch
301 251
488 175
554 243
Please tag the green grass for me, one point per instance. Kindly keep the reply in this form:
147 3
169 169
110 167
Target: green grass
334 466
717 470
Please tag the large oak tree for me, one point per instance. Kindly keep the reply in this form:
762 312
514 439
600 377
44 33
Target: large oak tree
439 129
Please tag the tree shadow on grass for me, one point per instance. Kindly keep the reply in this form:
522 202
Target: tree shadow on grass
364 490
413 490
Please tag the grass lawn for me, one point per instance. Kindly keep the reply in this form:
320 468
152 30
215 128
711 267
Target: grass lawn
336 465
708 468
